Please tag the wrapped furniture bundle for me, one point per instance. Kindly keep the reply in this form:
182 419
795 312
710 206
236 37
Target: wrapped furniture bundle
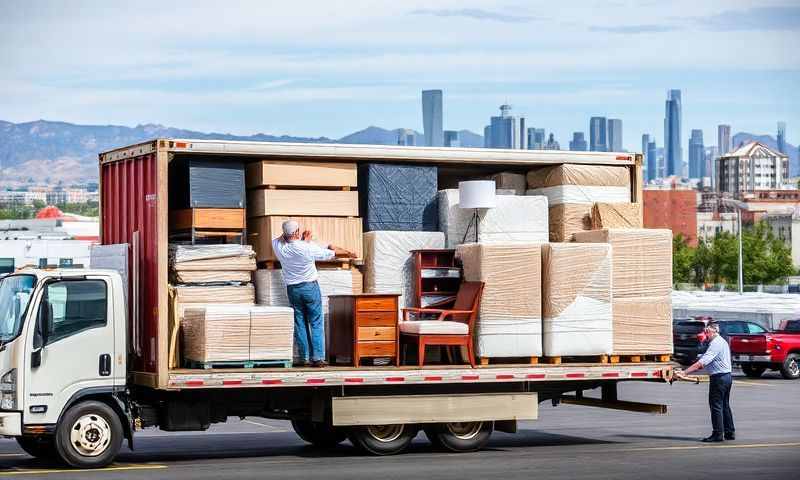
398 197
520 219
576 299
389 265
571 190
642 287
211 264
510 319
616 215
342 231
510 181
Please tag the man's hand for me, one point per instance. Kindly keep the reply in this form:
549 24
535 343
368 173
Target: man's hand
341 252
306 236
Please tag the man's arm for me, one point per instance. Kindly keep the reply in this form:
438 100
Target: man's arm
340 252
711 353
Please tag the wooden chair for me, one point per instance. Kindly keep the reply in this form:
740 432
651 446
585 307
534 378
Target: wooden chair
454 332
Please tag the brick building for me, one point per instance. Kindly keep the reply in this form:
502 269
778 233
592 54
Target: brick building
674 208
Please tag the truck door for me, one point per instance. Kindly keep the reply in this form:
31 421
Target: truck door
71 345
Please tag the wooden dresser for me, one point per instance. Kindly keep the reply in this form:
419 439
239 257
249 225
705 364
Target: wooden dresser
363 326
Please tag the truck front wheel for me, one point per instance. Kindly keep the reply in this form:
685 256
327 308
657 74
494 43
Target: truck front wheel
319 434
460 436
383 439
753 371
41 447
89 435
791 367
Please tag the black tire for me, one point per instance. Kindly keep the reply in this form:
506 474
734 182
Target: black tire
319 434
753 371
41 447
790 369
89 435
383 439
460 436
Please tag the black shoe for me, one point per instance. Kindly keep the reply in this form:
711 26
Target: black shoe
730 436
319 364
712 439
304 364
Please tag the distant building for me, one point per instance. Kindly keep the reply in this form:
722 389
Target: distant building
697 155
723 139
9 198
711 154
711 224
552 144
652 161
432 118
487 136
786 226
750 168
503 129
597 134
523 137
578 143
782 137
407 137
536 139
614 135
451 138
674 208
673 155
645 141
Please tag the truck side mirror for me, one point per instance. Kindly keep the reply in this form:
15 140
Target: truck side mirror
41 332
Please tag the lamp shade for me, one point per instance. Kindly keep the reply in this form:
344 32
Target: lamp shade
476 194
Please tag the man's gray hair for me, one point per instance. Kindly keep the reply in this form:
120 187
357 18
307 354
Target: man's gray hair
713 326
290 227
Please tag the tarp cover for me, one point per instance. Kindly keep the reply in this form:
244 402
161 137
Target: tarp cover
398 197
510 321
201 183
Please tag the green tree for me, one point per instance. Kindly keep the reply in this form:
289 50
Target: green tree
38 204
702 263
682 260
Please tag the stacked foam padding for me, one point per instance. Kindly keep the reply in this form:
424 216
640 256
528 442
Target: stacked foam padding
642 286
576 299
510 319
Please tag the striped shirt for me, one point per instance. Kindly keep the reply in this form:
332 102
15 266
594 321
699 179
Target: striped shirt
717 358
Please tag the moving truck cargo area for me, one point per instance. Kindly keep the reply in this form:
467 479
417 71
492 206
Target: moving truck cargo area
442 317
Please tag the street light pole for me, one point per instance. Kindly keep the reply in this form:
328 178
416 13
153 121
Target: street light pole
741 270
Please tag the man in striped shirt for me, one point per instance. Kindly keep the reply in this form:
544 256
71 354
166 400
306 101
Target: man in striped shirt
717 362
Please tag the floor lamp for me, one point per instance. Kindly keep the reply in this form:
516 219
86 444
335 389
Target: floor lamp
476 194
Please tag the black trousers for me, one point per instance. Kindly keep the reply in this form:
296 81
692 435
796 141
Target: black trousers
719 396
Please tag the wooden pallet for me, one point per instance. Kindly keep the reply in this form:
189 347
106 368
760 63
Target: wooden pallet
648 357
238 364
580 359
484 361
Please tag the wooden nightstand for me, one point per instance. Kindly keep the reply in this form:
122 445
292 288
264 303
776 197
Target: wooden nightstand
363 326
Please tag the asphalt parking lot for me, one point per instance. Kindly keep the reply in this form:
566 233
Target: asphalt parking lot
568 442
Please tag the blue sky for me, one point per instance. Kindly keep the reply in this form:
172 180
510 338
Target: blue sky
329 68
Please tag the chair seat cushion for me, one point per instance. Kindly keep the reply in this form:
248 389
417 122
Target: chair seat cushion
434 327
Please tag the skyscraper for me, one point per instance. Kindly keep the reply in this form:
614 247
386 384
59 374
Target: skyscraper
504 129
487 136
535 138
432 117
673 154
406 137
597 134
614 135
697 155
723 139
652 161
552 144
578 143
451 138
782 137
523 137
645 141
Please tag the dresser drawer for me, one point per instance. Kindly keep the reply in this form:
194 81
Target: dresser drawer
377 303
376 319
376 333
376 349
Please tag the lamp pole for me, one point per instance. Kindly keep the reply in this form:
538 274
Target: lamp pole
741 269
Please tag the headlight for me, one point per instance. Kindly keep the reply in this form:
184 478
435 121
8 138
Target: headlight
8 390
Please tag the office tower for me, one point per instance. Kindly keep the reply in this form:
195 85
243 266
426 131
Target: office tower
711 164
504 129
432 118
487 136
552 144
645 141
406 137
451 138
597 134
536 138
523 137
673 156
578 143
697 155
782 137
614 135
652 161
723 139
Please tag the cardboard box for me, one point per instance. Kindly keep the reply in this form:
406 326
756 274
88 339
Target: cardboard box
567 219
296 173
341 231
330 203
616 215
510 181
579 174
510 321
207 218
576 299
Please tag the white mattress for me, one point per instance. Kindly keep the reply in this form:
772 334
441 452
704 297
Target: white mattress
519 219
557 195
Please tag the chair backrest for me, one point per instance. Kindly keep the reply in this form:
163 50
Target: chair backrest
468 298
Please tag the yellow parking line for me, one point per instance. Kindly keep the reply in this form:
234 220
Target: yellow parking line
697 447
71 470
752 384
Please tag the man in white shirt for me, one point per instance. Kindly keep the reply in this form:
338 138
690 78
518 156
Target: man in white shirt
297 255
717 362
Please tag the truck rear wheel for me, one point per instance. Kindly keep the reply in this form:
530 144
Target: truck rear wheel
383 439
319 434
41 447
753 371
790 369
89 435
460 436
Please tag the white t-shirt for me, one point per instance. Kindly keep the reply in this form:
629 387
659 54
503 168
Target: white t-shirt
297 259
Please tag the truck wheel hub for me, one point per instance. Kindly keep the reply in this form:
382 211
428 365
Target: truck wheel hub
794 367
90 435
385 433
465 430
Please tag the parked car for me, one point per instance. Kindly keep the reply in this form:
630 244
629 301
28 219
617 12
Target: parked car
778 350
689 339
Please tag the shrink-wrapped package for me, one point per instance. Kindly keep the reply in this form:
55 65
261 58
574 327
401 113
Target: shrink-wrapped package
389 265
221 257
576 299
510 319
642 284
571 190
616 215
514 219
510 181
398 197
215 294
211 276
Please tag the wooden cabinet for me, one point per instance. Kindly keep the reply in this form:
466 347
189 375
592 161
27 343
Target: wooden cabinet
437 277
363 326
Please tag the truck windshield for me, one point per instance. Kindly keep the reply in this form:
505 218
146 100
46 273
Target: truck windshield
15 292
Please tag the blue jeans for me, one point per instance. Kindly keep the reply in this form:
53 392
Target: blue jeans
309 324
719 400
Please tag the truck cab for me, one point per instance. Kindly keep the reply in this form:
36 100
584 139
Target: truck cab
63 363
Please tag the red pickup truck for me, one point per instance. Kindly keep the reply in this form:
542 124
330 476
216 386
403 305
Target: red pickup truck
778 350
